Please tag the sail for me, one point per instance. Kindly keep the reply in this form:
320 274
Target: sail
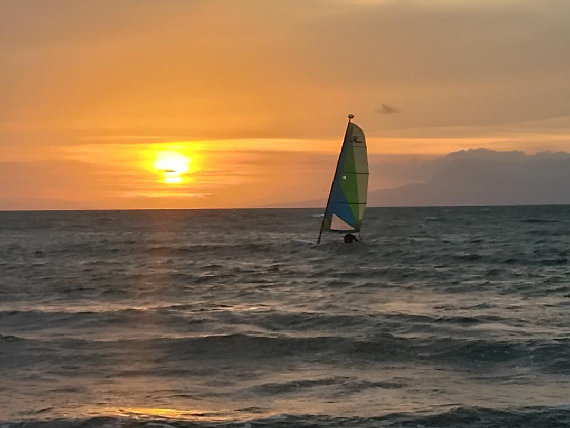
347 199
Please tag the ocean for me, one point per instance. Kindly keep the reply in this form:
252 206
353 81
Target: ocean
439 317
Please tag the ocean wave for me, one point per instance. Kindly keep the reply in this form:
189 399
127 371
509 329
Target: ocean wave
180 318
10 338
188 308
551 355
456 417
346 385
540 220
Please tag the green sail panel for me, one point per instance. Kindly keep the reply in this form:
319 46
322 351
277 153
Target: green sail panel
347 199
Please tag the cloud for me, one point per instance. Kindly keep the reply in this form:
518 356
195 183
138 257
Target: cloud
219 69
386 109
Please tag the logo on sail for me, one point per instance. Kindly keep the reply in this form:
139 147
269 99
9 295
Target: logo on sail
356 140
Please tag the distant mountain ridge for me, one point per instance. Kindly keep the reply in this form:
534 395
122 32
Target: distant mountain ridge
473 177
486 177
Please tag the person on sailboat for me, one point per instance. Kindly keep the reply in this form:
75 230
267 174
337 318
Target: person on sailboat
349 238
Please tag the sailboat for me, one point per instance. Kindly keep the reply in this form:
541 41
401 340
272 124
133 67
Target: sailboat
347 198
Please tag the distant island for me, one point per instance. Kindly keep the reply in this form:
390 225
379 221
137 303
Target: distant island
486 177
475 177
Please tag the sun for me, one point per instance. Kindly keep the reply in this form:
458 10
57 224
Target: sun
173 165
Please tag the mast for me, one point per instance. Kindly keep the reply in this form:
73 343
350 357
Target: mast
350 117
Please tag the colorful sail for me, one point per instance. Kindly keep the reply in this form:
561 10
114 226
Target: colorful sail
347 199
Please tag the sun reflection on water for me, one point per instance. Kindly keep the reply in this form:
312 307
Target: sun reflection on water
178 414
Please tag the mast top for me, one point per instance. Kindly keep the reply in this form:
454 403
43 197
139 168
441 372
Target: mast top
350 117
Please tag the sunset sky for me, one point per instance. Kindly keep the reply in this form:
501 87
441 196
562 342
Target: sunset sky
241 103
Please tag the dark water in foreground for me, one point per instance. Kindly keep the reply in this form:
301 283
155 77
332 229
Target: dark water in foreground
442 317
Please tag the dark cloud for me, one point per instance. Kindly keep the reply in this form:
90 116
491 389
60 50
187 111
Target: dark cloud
386 109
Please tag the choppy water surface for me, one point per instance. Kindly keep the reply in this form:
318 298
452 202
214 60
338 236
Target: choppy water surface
440 317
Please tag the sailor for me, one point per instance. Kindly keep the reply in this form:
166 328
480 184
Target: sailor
349 238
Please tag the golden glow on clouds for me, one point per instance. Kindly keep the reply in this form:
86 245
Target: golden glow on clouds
115 172
197 174
225 103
